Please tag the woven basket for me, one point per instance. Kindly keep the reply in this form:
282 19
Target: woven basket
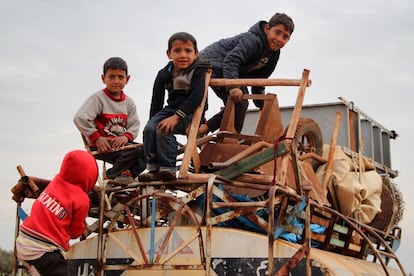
392 206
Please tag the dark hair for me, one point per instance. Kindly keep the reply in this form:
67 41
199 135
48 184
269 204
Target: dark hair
115 63
281 18
183 36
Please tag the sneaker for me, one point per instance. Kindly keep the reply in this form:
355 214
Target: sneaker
127 173
167 176
124 197
149 176
124 179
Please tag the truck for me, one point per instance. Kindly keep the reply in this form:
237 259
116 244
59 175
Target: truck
301 190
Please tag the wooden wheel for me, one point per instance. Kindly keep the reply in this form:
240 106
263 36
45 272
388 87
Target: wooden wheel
308 139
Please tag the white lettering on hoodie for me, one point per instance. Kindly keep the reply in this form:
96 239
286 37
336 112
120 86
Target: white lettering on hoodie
52 205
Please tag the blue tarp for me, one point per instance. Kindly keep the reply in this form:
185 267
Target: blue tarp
244 223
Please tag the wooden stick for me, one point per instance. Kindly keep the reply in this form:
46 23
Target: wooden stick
329 163
258 82
281 174
127 147
33 187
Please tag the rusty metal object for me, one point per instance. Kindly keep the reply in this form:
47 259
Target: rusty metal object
304 250
159 263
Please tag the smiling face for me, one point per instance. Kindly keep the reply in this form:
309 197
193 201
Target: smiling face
115 80
277 36
182 54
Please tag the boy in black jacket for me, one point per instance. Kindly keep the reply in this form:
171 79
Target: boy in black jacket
253 54
184 80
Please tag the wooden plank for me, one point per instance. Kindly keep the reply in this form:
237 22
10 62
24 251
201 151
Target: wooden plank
252 161
340 229
282 172
337 242
258 82
270 126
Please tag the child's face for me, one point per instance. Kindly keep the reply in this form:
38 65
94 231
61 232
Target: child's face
182 54
115 80
277 36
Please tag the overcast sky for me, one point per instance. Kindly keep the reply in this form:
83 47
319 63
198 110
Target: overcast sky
51 56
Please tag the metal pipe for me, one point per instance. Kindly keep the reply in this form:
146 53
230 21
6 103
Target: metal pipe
307 187
15 267
152 238
99 256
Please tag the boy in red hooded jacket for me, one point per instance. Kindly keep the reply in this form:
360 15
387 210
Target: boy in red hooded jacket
58 215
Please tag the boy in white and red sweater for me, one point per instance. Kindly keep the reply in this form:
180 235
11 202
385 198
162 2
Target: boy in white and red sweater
58 215
109 120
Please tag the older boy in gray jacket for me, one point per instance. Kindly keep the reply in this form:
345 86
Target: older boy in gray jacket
253 54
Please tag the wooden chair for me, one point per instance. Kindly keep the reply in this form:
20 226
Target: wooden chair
229 143
238 149
95 152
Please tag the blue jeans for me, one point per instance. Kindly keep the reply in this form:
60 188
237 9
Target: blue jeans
160 149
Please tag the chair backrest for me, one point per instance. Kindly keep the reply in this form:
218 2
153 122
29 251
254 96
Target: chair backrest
269 126
86 144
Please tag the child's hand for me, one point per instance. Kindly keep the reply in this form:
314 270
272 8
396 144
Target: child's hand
167 125
103 145
119 141
236 94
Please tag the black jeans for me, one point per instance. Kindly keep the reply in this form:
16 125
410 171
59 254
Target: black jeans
51 264
131 159
240 109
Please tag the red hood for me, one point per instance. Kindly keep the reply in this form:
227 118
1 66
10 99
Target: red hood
79 168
